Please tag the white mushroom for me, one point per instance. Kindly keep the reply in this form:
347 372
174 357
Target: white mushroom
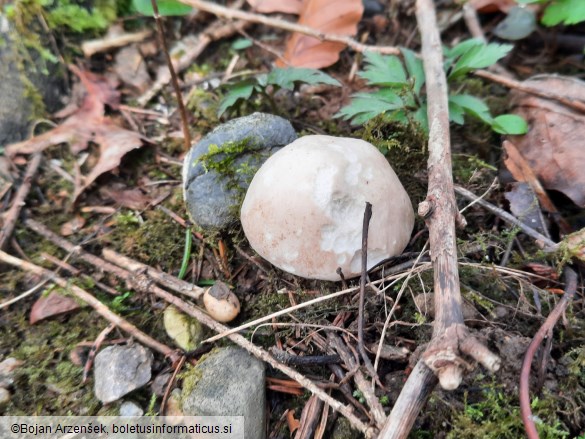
304 209
221 303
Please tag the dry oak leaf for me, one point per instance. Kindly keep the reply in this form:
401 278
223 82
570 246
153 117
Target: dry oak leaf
553 146
88 124
270 6
335 17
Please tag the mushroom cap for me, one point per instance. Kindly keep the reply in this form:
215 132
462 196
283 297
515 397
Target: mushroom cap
304 209
221 303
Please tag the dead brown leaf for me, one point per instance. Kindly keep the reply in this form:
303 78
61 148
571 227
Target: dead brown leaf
52 305
524 205
72 226
338 17
88 124
133 199
270 6
553 145
131 68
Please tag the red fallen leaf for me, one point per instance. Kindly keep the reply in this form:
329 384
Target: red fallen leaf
542 270
293 423
553 145
487 6
52 305
88 124
270 6
336 17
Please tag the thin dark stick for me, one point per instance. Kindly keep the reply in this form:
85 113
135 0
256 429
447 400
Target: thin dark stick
178 367
174 80
363 280
305 360
18 202
546 328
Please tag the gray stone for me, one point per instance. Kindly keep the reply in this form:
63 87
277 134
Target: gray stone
119 370
7 368
21 80
229 382
129 408
212 199
4 398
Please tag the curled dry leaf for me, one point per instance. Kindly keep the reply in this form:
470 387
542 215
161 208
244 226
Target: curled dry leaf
336 17
88 124
270 6
553 145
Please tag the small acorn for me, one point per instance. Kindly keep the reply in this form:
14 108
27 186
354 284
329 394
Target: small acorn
221 303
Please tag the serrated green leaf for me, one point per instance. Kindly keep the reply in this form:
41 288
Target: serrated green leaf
415 69
473 106
510 124
241 90
479 57
286 78
564 11
383 70
165 7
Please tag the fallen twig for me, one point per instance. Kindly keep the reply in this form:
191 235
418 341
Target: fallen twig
98 306
363 280
451 337
573 103
18 202
174 79
109 42
360 381
545 330
215 31
549 245
222 11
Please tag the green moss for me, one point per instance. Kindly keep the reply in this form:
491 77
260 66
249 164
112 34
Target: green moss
225 161
156 239
405 148
496 414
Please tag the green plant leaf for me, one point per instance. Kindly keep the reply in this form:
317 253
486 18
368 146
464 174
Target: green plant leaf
478 56
509 124
473 106
242 43
383 70
456 113
564 11
366 106
240 90
165 7
420 116
286 78
414 67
